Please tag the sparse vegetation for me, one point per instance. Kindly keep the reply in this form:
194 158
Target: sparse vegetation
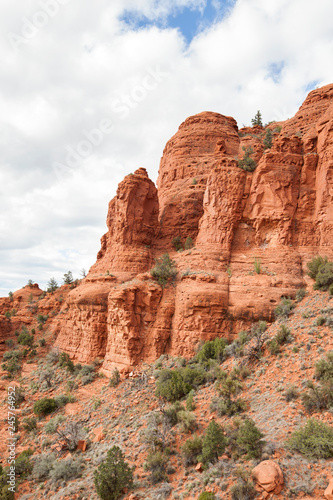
257 120
285 307
115 378
177 243
314 440
213 444
268 140
247 163
164 269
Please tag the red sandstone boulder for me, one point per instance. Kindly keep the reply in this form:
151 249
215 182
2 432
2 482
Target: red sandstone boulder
268 476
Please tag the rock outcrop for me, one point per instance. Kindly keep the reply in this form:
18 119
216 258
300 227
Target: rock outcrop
268 476
252 234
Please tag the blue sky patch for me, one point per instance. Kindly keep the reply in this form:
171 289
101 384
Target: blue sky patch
275 70
190 21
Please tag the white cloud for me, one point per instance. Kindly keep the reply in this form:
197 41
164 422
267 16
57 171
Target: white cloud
87 65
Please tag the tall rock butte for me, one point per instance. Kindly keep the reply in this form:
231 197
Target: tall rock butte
281 215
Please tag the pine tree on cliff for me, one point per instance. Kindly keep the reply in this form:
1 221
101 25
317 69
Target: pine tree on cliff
257 120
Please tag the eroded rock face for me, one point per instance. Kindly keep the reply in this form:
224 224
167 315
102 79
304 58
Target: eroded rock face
132 226
278 216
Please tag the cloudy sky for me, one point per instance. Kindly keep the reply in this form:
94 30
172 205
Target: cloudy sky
90 91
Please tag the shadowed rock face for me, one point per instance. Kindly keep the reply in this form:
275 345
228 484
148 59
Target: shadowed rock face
281 215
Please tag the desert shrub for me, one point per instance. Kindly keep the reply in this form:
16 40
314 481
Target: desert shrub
300 294
249 440
187 421
70 434
243 491
314 265
236 348
324 367
88 379
172 413
44 406
191 450
86 370
247 163
212 349
314 440
61 400
30 424
53 357
207 495
188 243
291 393
25 339
66 470
193 375
229 407
213 443
42 342
258 339
285 307
177 243
172 386
257 266
318 397
164 269
23 466
282 336
190 405
115 378
43 466
46 376
66 362
52 425
9 342
324 277
156 464
12 366
320 321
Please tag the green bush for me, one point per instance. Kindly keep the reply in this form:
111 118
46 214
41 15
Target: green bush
190 405
324 367
314 265
247 163
164 269
177 243
187 421
25 339
115 378
30 424
314 440
191 450
156 464
212 349
113 475
66 362
257 120
207 495
171 386
61 400
23 466
88 379
324 277
249 440
213 443
44 406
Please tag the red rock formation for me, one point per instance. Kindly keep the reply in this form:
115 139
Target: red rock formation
278 216
268 476
202 143
132 225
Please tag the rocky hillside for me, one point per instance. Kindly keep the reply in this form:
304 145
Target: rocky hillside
196 343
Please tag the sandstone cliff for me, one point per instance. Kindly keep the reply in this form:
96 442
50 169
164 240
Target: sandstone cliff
279 215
